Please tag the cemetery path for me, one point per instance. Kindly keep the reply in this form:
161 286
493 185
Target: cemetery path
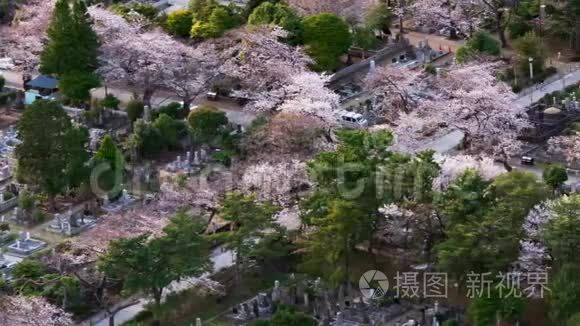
534 93
221 259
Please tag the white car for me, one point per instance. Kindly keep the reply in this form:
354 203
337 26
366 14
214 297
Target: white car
352 119
6 64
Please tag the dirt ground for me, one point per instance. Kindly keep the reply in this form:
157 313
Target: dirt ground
8 118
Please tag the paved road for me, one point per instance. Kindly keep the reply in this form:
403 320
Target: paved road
233 111
221 259
533 94
435 41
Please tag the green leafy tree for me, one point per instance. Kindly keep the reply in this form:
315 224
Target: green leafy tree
327 38
329 249
555 176
287 316
179 22
52 153
202 9
379 17
110 102
77 86
251 5
481 43
72 44
484 225
149 265
529 46
168 129
31 278
365 39
2 82
281 15
564 294
492 310
135 110
561 233
110 159
353 182
574 320
145 141
206 124
251 222
174 110
220 20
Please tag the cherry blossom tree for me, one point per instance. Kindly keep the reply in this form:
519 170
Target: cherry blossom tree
261 64
278 182
192 75
31 311
352 10
286 136
308 95
467 98
138 57
569 146
454 166
23 39
533 252
462 17
273 75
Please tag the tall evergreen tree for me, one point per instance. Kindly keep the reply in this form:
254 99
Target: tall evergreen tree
110 159
52 153
72 44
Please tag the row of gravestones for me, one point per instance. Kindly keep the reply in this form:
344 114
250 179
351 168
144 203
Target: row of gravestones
328 306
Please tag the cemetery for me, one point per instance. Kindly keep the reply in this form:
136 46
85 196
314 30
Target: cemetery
25 245
251 163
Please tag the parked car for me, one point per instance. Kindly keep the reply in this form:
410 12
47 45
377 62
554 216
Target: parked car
352 119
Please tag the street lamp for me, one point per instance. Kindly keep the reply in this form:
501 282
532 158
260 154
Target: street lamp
531 61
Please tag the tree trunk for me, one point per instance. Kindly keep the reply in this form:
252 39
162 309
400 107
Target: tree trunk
186 103
52 202
157 298
500 29
577 36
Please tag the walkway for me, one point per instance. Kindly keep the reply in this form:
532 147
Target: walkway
221 259
435 41
534 93
233 111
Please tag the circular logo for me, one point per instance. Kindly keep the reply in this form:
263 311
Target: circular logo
373 284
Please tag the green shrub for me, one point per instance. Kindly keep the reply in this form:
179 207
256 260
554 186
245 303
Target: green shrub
8 195
174 110
135 109
179 22
110 102
480 43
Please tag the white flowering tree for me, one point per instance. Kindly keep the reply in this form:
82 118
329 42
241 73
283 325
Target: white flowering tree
469 98
462 17
454 166
277 182
23 39
569 146
141 58
352 10
533 251
31 311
